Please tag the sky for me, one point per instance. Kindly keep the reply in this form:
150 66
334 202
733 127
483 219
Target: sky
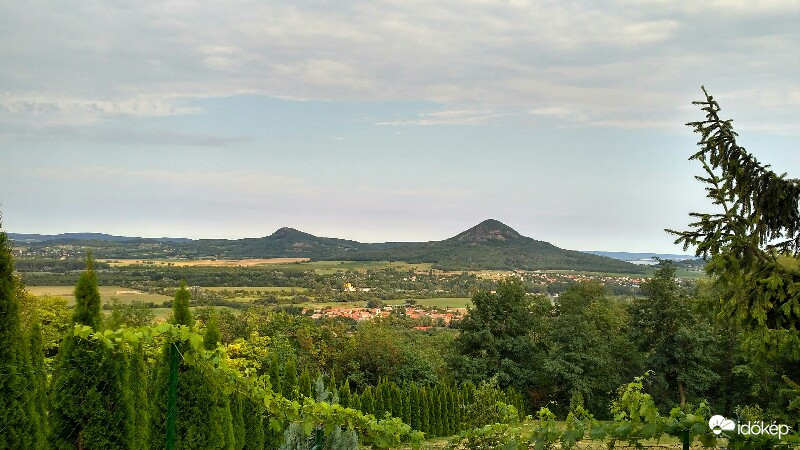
383 120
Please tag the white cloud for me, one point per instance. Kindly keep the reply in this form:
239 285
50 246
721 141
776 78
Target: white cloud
450 117
610 61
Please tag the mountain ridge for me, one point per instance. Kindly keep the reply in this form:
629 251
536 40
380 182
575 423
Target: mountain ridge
490 244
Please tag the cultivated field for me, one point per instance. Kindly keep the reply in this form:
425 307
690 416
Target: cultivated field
207 262
123 295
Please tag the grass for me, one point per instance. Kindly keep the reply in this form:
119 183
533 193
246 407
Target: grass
124 295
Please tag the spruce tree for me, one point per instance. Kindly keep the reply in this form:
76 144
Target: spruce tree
18 417
91 402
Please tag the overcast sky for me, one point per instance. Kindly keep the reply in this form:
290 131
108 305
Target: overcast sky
382 120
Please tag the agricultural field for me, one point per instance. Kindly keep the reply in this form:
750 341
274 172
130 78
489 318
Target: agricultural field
330 267
107 293
206 262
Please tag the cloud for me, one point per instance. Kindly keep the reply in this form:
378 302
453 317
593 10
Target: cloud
449 117
614 61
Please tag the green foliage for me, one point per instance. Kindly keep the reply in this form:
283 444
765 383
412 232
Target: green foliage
211 338
501 335
289 385
203 412
39 384
587 339
754 241
237 417
344 394
304 384
53 316
275 374
133 315
181 314
87 298
253 415
18 415
90 387
139 390
678 344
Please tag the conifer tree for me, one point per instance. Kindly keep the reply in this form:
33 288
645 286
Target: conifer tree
237 401
355 401
451 411
304 384
289 380
140 399
203 414
424 411
397 401
380 405
344 394
368 401
39 379
332 385
415 407
436 411
405 402
17 412
445 411
275 375
254 412
90 390
211 338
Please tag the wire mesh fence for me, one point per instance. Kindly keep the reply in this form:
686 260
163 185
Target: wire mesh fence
161 395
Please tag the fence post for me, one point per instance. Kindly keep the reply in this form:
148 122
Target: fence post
172 402
686 441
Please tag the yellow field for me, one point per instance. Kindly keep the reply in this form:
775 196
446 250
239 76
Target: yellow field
207 262
124 295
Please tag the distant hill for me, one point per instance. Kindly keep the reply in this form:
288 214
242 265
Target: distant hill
22 237
489 245
494 245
